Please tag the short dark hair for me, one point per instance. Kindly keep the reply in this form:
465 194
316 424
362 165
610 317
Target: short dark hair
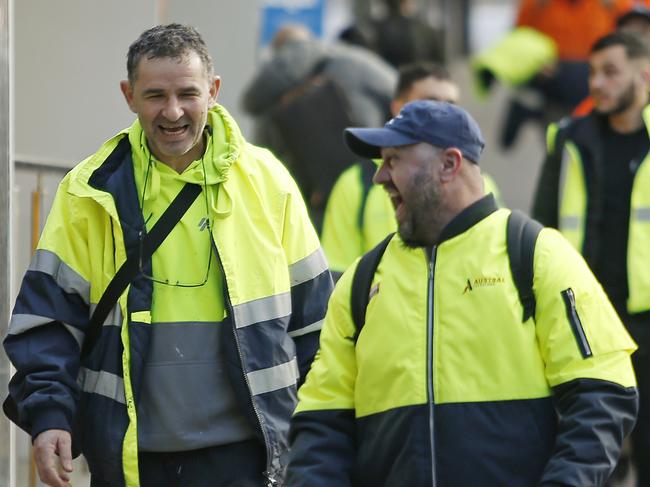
636 47
409 74
168 41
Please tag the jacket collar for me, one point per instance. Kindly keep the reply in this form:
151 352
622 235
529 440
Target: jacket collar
469 217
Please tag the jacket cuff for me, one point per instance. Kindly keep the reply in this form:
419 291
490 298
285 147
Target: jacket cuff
50 419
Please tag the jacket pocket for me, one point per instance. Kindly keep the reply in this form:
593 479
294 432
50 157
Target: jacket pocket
576 325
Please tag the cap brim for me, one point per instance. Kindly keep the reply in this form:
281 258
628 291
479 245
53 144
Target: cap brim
366 142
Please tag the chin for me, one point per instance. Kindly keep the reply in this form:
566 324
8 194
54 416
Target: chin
410 240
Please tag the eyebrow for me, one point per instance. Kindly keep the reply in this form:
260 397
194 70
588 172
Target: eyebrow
161 91
153 91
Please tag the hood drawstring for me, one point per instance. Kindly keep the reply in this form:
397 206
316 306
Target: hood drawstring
220 200
151 183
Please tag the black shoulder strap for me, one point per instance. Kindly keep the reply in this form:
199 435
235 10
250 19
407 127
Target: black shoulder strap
129 269
367 171
522 235
361 282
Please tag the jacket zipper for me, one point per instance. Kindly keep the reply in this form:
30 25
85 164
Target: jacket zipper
576 324
270 480
430 361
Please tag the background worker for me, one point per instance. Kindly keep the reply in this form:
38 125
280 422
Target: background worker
305 95
594 188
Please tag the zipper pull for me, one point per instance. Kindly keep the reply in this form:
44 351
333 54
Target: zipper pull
572 298
432 260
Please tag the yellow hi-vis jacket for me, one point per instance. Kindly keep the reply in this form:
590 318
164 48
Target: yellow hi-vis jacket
566 207
276 285
447 386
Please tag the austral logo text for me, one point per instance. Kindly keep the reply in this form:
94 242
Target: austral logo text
479 282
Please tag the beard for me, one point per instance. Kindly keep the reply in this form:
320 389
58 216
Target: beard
422 215
623 102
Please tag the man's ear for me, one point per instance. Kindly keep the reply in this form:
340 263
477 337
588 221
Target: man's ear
214 90
451 159
645 74
127 91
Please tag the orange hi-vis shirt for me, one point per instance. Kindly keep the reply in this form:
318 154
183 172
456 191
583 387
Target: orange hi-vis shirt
574 24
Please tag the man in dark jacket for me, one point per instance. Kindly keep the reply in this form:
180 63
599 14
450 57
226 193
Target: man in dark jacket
594 188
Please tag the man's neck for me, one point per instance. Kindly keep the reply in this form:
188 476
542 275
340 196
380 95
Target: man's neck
450 211
628 121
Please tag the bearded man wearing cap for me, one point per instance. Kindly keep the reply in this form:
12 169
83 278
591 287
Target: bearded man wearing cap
446 384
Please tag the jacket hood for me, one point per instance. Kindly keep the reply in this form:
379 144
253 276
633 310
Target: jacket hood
224 146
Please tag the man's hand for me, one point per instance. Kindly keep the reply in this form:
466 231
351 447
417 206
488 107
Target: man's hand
53 457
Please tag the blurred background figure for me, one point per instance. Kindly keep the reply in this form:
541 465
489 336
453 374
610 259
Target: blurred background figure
400 35
594 188
304 97
556 84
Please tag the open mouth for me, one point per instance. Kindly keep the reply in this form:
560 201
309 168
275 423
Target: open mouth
174 131
398 204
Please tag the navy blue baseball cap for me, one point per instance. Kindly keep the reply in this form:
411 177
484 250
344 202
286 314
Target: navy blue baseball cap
437 123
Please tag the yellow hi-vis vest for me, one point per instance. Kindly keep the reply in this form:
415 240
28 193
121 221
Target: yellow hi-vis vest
573 213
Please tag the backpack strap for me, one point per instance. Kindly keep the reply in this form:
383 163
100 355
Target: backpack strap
522 232
361 282
367 171
130 268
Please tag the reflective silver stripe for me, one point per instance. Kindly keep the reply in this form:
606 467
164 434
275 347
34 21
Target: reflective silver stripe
570 222
114 318
65 277
308 268
642 214
274 378
263 309
307 329
102 383
21 323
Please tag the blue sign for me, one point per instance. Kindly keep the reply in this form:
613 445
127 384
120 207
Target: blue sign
277 13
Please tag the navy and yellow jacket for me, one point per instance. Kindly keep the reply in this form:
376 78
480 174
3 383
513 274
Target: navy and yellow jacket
569 197
276 289
447 386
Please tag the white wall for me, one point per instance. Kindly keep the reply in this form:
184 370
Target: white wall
69 59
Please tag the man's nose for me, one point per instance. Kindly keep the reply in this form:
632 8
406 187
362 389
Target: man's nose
595 81
381 175
173 109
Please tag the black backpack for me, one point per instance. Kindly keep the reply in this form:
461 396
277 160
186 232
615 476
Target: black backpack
522 233
310 120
